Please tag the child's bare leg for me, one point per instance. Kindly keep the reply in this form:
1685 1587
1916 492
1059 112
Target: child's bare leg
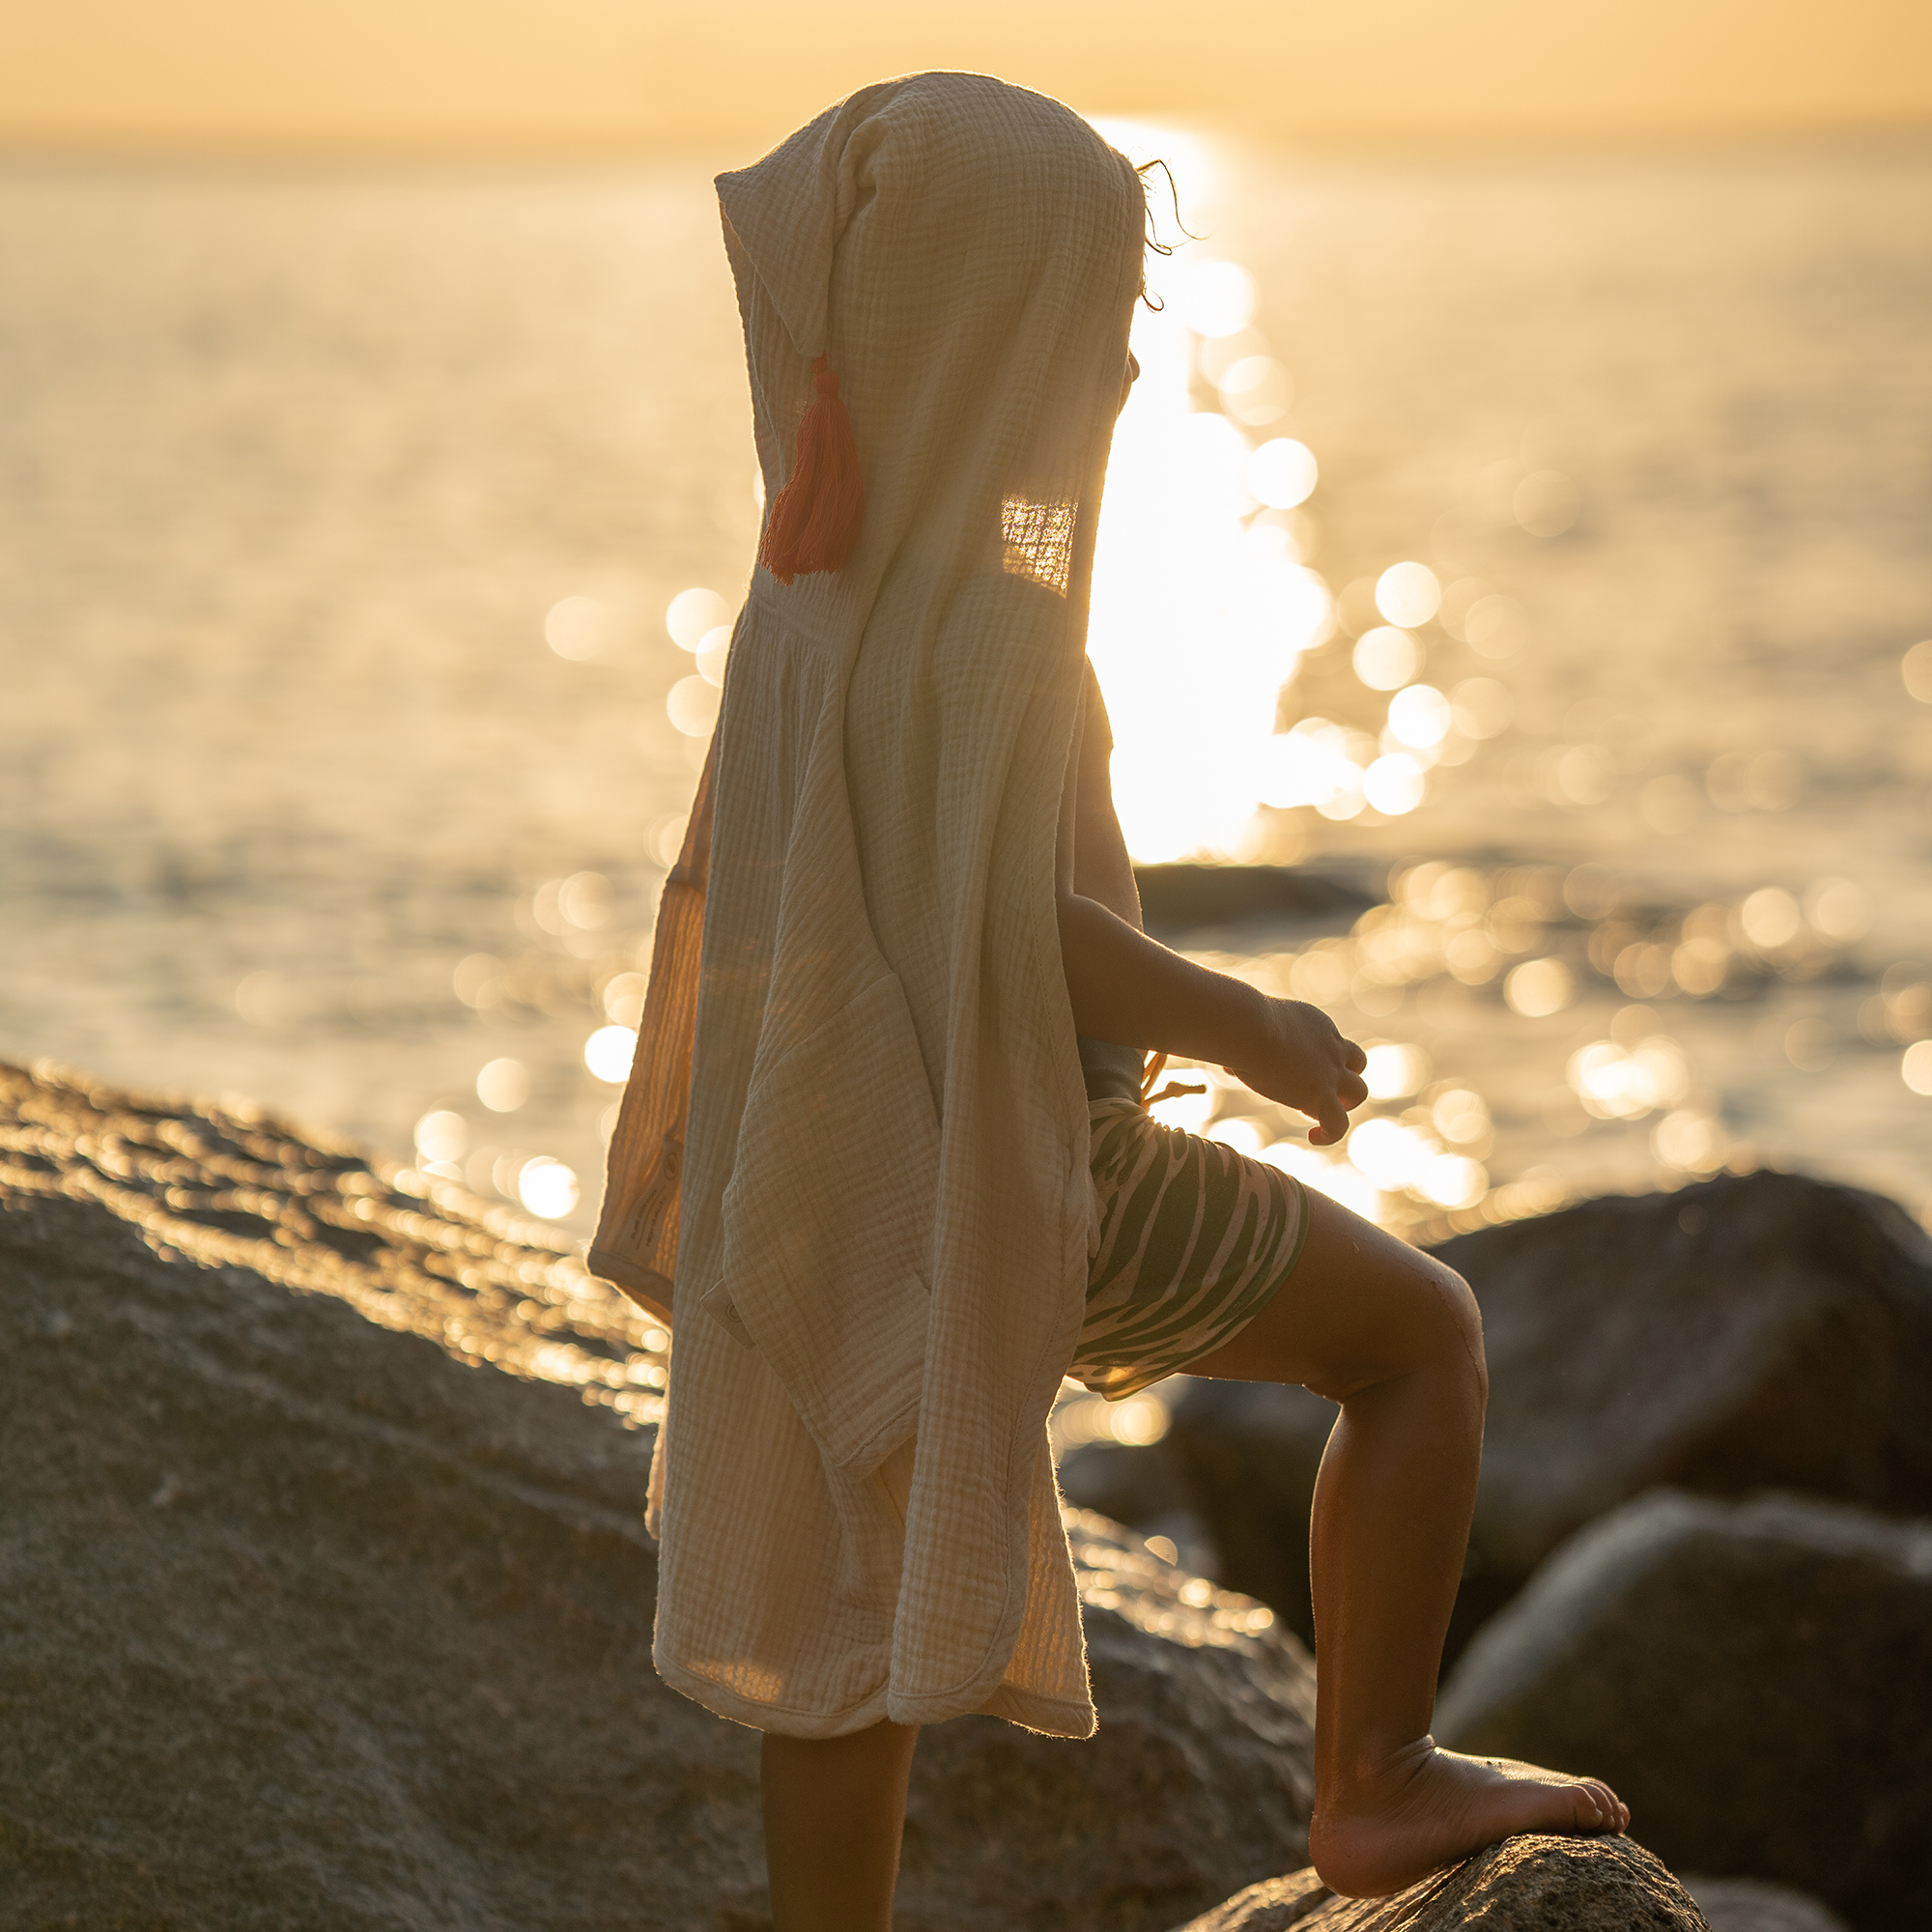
1394 1337
835 1812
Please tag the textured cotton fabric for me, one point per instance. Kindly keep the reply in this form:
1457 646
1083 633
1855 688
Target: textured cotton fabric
880 1210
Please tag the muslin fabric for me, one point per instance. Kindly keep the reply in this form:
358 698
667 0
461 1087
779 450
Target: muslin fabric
880 1208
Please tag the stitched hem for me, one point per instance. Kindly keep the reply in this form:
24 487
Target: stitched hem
788 1719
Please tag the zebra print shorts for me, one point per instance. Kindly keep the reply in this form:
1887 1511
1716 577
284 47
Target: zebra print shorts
1195 1240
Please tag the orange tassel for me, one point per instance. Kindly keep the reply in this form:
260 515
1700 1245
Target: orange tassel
814 522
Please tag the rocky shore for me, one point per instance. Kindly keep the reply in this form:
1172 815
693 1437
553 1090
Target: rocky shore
325 1597
309 1617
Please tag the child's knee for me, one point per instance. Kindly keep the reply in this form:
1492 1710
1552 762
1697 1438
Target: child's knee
1466 1321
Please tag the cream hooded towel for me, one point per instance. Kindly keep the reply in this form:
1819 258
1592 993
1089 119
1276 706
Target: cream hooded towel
880 1210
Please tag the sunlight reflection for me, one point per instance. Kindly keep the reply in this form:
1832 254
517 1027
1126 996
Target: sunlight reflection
1194 632
712 649
503 1085
1393 784
693 615
577 628
1283 472
691 706
1419 716
546 1187
1915 667
609 1051
1408 594
1210 296
1386 658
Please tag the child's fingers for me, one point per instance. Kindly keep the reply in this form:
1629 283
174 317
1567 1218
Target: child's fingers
1352 1091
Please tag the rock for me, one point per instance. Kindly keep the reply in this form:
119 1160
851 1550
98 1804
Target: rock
1245 1456
1203 1767
1752 1678
1750 1905
1271 1905
1529 1883
1184 898
308 1619
1761 1331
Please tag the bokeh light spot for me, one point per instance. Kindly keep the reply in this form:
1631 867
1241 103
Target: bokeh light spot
694 614
1770 918
1495 627
608 1052
1408 594
1839 908
1691 1142
441 1136
546 1187
1140 1421
1282 473
1546 503
1419 716
578 628
503 1085
1394 784
711 650
1385 658
624 999
1538 988
1454 1181
1211 296
584 900
691 706
1916 669
1395 1070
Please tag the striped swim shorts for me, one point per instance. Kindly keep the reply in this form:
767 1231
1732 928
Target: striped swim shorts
1195 1240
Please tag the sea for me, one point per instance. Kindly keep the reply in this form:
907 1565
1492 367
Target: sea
1535 542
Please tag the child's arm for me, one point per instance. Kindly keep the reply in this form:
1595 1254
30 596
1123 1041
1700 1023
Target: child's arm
1131 989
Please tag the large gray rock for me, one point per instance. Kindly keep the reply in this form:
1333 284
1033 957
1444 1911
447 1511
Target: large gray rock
1751 1905
1752 1678
1529 1883
313 1620
1203 1767
1757 1331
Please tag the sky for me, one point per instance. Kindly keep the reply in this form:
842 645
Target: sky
374 75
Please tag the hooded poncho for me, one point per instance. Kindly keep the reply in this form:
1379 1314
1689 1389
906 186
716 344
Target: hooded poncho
880 1210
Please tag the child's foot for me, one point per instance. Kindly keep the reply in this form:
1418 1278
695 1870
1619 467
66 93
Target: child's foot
1430 1808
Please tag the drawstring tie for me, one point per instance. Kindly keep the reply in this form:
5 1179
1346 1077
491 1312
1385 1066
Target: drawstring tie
1172 1091
814 522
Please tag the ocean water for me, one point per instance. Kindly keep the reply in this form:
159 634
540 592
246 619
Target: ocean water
343 740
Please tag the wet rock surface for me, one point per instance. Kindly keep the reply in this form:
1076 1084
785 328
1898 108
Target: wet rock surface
1757 1331
1751 1678
308 1617
1529 1883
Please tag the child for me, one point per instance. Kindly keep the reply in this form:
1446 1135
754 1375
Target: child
917 1184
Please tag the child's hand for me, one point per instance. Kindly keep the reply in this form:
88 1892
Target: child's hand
1305 1064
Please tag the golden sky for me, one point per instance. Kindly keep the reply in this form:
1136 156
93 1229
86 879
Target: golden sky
362 74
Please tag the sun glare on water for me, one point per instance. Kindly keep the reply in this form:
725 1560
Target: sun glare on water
1202 604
